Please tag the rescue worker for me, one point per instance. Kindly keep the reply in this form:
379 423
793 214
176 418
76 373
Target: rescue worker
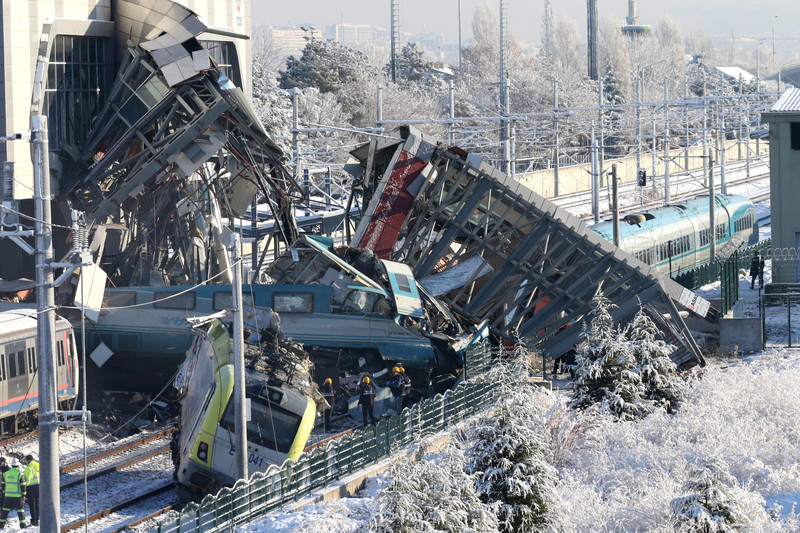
367 399
395 383
31 476
757 270
330 397
13 494
405 387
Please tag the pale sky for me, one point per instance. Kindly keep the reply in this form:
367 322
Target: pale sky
746 18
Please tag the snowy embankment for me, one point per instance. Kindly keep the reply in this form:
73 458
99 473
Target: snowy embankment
622 476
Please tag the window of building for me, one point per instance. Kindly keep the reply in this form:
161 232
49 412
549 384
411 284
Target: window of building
78 80
224 53
795 135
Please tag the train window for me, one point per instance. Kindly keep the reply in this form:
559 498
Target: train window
2 367
223 300
119 299
293 302
31 360
173 300
794 130
60 353
270 425
21 363
12 365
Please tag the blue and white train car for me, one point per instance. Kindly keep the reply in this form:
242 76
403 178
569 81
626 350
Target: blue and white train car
19 364
675 239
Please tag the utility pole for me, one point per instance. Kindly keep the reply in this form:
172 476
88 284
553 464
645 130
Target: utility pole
238 353
705 127
666 145
45 333
555 136
49 416
395 36
460 65
591 31
712 235
595 185
504 129
615 203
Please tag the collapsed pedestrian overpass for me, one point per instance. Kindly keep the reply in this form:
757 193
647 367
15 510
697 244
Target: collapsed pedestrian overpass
493 249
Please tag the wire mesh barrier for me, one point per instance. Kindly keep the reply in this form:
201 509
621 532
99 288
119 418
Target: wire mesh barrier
279 485
780 315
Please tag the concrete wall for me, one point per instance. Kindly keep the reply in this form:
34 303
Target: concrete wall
578 178
740 335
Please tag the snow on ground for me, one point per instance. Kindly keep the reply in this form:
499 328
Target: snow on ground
741 409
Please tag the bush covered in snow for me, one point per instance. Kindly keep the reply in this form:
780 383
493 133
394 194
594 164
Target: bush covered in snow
431 494
711 505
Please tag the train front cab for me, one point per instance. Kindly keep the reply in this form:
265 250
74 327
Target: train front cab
280 423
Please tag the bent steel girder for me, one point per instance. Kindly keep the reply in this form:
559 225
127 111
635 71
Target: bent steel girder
151 137
540 266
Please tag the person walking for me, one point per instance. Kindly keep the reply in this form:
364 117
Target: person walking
367 399
13 494
330 398
757 270
31 475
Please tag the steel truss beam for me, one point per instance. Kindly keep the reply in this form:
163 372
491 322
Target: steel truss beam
538 266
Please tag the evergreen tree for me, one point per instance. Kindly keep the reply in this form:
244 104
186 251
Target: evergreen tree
326 65
606 371
508 457
710 506
655 367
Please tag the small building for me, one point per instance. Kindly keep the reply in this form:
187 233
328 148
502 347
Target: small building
784 164
734 74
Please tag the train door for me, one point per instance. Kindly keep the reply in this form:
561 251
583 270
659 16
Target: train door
17 370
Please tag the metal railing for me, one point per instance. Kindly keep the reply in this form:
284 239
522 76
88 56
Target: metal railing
267 491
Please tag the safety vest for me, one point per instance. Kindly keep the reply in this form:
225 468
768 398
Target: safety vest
31 474
14 483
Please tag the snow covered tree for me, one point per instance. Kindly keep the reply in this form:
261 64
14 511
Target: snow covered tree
432 494
655 367
326 65
710 506
508 456
513 476
606 372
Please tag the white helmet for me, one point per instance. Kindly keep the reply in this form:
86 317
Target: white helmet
14 461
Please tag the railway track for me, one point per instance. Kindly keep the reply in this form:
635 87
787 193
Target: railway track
120 483
686 187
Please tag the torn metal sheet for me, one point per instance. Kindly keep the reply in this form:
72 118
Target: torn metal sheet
436 207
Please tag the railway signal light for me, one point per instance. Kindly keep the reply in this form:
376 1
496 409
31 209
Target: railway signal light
642 177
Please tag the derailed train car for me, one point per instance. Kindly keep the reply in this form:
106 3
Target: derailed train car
282 403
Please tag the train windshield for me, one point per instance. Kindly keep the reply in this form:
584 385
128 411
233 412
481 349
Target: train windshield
270 425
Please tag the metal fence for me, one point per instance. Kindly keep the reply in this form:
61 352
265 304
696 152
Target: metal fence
279 485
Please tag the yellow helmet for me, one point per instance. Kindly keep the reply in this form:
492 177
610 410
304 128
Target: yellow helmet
400 368
365 379
328 380
396 369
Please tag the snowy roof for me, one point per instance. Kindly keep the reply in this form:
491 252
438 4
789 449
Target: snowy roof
735 73
789 101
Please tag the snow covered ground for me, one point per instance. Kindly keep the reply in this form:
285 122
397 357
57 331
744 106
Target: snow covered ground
622 476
